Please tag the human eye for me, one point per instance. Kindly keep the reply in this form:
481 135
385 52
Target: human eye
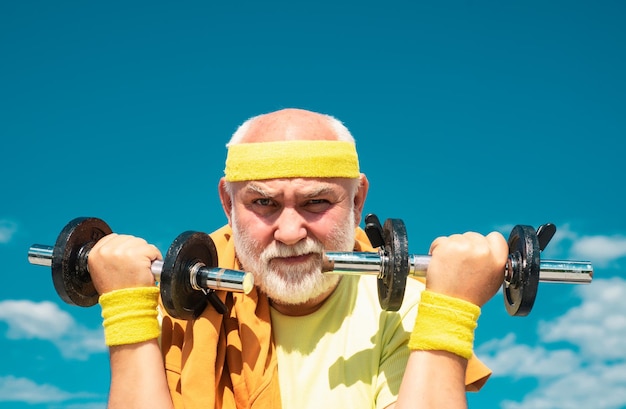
263 202
263 206
317 205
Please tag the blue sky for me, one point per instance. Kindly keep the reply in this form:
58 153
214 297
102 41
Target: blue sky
468 115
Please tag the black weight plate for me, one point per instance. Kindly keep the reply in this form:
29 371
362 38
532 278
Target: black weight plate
180 299
524 259
69 268
392 284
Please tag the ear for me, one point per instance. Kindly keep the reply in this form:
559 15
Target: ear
226 199
359 198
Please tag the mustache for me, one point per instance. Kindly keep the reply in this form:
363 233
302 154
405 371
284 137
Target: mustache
277 249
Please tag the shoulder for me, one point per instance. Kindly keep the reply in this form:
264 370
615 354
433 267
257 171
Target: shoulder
224 247
222 235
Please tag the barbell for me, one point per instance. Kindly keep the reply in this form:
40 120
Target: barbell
393 264
188 275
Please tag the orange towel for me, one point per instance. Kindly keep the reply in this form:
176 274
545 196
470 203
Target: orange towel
241 351
240 347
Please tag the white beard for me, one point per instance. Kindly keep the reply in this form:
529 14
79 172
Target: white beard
288 284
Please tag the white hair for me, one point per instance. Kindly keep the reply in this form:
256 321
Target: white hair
342 133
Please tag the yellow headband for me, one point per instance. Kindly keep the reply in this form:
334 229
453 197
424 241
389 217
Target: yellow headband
289 159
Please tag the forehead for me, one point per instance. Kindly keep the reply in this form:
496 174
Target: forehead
294 186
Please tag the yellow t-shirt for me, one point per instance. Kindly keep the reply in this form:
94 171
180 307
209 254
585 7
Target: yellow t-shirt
349 353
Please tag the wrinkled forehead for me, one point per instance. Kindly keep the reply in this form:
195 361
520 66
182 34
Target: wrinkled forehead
300 187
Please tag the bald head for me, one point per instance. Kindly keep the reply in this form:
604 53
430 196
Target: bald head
289 125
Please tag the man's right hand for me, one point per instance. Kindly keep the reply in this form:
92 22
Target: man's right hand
121 261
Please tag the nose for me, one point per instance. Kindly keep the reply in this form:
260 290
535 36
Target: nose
290 227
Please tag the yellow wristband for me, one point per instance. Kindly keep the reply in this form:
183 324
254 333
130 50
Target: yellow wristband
444 323
130 315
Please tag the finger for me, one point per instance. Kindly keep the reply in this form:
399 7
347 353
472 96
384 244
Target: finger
138 246
442 239
104 240
437 242
498 245
155 253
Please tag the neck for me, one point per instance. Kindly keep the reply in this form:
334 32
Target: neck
306 308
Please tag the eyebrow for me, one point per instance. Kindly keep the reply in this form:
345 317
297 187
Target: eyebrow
319 190
253 187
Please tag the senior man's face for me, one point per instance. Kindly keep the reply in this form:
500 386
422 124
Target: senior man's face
281 228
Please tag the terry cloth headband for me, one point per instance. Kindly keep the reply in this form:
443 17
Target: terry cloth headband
290 159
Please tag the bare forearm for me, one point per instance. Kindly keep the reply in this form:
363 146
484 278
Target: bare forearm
433 379
138 377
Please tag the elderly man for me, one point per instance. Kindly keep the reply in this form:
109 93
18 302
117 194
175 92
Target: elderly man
292 189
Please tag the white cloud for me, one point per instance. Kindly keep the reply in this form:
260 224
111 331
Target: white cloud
601 249
28 319
46 321
598 325
581 361
13 389
597 387
506 358
7 230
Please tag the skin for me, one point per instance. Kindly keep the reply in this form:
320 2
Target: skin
288 211
137 374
